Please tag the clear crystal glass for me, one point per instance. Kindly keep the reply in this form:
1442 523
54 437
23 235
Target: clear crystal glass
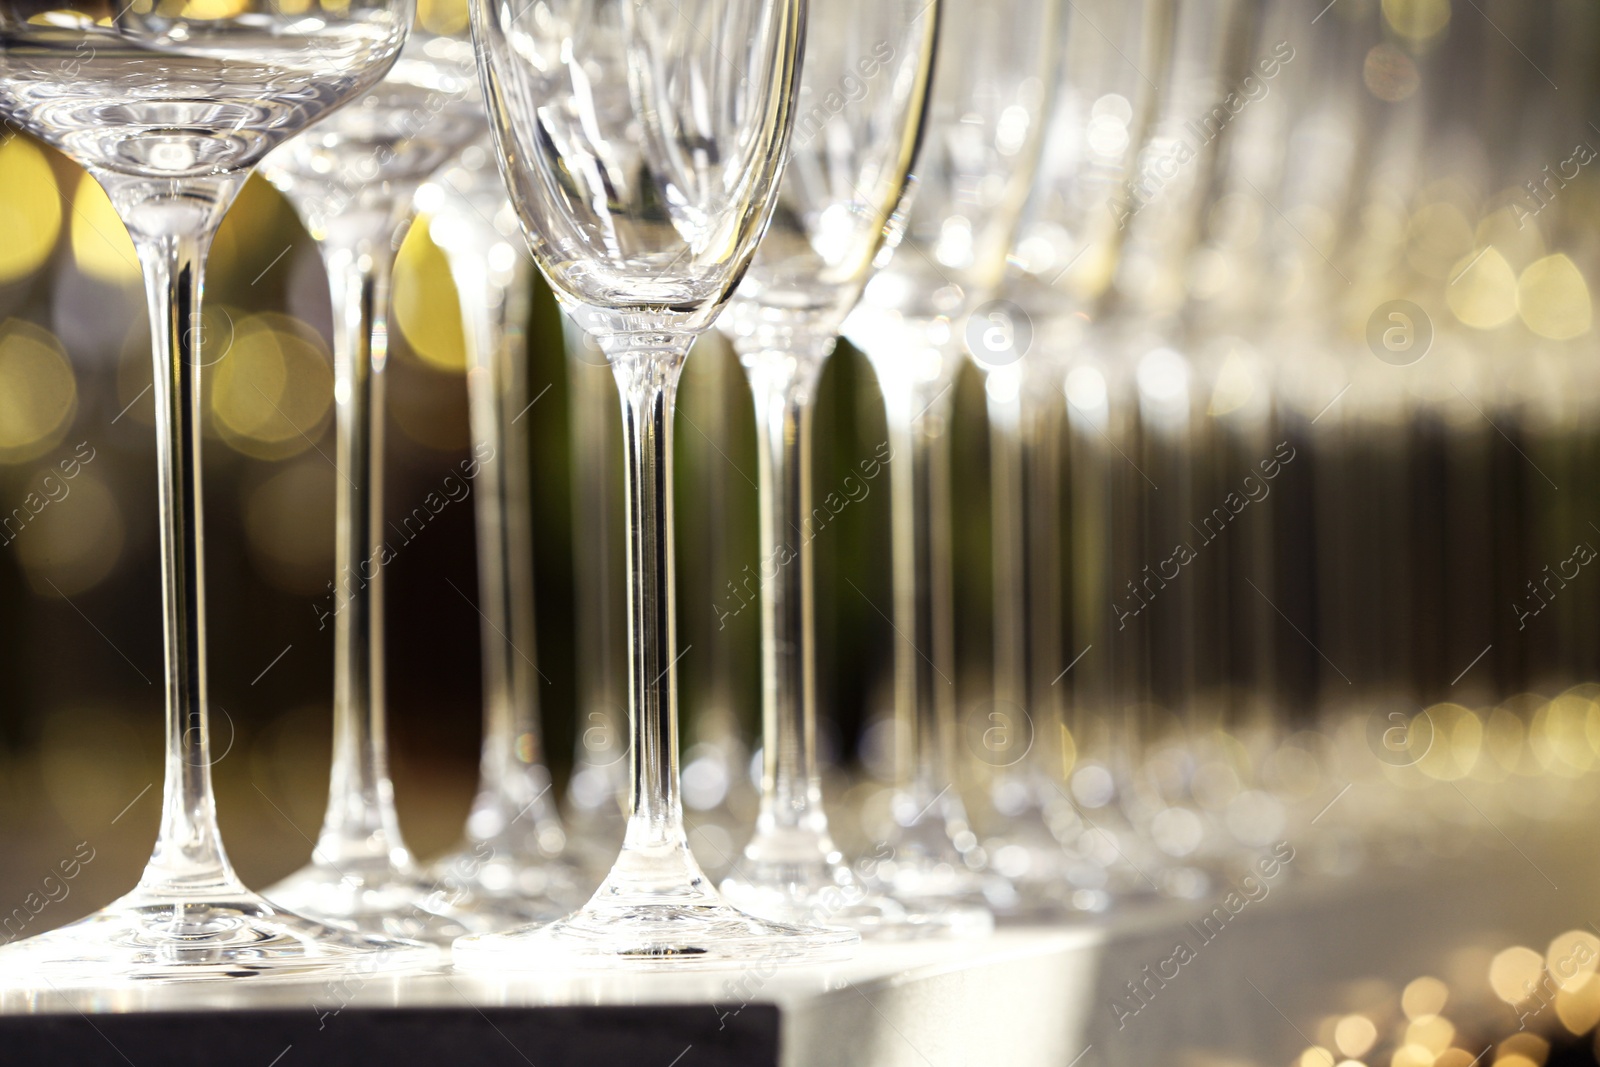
170 113
862 100
511 869
352 181
1063 257
643 143
1149 426
982 143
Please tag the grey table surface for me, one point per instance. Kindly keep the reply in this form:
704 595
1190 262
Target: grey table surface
1246 987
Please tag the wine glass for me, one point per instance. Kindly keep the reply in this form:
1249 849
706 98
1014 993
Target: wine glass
976 165
1156 432
862 99
643 143
1063 255
170 113
352 180
511 869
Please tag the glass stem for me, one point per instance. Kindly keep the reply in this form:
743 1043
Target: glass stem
783 383
360 823
647 378
512 775
919 481
188 859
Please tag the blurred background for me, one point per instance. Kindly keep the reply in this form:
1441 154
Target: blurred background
1428 542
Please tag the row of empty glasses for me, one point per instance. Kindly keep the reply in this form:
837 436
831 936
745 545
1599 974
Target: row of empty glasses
1157 228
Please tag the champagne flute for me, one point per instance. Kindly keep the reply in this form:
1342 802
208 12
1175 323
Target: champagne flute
982 143
1130 398
511 869
643 144
352 181
862 100
1062 259
170 113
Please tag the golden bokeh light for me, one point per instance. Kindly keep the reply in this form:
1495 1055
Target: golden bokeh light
1457 739
1432 1032
215 9
1579 1008
271 387
1503 738
1416 20
1515 234
1315 1056
443 17
73 543
1237 383
424 301
1514 973
1482 290
1553 298
1572 958
30 209
1354 1035
38 392
1559 735
1531 1049
101 246
1424 996
1411 1056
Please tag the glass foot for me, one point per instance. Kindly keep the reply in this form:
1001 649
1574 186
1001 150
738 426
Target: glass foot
501 893
1055 893
813 886
921 866
144 937
1048 882
664 936
655 910
374 898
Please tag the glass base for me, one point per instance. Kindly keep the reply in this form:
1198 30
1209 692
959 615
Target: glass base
1038 899
1049 882
655 911
921 867
376 898
656 936
504 893
144 937
813 886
